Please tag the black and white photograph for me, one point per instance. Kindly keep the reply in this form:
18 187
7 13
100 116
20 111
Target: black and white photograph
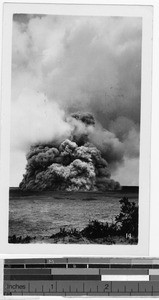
75 138
75 129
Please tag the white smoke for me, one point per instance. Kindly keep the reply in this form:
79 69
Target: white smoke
36 120
75 63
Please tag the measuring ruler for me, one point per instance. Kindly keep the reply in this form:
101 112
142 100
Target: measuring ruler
74 276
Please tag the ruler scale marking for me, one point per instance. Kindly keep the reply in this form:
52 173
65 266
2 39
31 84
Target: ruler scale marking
82 276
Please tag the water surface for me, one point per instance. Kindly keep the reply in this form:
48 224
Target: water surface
43 214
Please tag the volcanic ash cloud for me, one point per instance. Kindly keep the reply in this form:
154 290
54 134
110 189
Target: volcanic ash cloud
75 164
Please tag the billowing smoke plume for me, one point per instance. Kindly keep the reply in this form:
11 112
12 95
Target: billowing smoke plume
77 63
77 163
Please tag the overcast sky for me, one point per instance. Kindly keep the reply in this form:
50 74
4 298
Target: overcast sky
62 64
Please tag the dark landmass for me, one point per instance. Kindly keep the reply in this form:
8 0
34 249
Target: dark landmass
124 191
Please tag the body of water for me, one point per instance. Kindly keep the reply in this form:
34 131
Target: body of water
43 214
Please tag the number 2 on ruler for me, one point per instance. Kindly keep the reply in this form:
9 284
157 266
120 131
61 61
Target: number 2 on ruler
106 287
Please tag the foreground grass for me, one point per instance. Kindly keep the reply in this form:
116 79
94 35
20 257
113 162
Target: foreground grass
124 230
20 240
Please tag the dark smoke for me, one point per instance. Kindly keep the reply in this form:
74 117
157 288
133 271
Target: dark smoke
77 164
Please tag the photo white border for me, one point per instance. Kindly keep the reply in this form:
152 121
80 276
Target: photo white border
70 7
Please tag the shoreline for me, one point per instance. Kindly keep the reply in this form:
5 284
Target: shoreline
109 240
